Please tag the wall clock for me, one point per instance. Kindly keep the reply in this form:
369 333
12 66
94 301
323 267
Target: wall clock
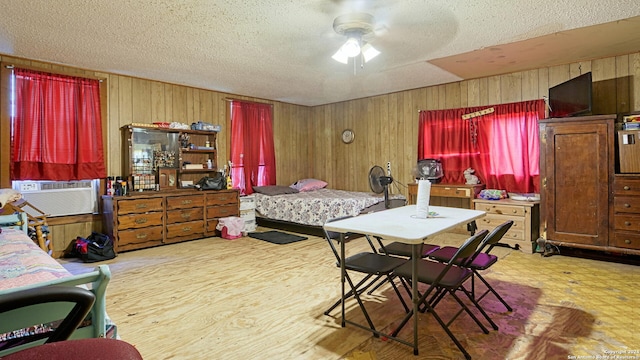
347 136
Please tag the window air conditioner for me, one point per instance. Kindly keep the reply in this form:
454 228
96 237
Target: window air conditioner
59 198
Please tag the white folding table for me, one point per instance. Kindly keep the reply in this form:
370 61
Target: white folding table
400 224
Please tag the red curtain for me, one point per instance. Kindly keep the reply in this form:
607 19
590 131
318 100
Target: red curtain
502 147
57 128
252 151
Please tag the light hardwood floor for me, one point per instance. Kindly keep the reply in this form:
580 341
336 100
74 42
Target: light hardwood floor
249 299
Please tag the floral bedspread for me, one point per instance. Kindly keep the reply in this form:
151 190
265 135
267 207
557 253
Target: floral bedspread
22 262
316 207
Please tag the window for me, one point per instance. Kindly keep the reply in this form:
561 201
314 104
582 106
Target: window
503 147
56 129
52 140
252 150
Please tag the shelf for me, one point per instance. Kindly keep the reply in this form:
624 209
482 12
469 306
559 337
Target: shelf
188 171
199 151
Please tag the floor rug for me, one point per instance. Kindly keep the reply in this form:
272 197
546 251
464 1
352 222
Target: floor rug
276 237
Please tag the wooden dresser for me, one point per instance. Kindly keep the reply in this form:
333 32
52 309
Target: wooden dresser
146 219
525 215
452 195
625 232
585 202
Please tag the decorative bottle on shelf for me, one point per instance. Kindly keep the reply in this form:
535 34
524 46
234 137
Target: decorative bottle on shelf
209 164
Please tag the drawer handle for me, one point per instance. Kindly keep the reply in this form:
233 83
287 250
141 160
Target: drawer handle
141 236
141 220
487 209
141 206
626 187
627 241
186 228
186 215
515 211
186 202
627 223
627 205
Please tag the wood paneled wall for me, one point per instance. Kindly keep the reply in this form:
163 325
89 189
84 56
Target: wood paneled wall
133 100
307 139
386 126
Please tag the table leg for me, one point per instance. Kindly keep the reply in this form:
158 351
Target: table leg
342 275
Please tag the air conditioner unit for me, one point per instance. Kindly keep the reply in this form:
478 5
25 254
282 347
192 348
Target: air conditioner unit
59 198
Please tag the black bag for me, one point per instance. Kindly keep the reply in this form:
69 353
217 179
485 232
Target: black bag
217 182
96 247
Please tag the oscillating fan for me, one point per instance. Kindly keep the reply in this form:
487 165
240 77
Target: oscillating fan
379 182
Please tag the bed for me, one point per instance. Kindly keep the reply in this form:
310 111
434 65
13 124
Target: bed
307 211
23 265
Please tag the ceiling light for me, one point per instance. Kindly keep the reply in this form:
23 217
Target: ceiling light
369 52
351 48
354 26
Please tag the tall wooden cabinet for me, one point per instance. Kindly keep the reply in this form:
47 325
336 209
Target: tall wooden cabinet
576 171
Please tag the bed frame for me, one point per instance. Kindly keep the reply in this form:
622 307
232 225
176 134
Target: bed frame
317 230
96 281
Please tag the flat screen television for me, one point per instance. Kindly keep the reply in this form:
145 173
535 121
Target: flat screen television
571 98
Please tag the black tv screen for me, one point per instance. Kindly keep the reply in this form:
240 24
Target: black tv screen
571 98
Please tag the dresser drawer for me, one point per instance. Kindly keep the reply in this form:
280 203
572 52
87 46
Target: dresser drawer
513 210
221 198
185 202
490 221
626 186
186 229
451 192
184 215
626 204
517 231
139 205
626 222
626 240
140 236
135 221
222 211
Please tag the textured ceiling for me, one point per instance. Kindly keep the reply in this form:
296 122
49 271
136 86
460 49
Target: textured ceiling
281 50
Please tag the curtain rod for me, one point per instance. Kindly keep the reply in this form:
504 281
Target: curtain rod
248 101
11 66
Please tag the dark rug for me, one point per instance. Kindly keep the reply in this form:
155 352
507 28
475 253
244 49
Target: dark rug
276 237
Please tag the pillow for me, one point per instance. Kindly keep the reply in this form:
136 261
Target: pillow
274 190
308 184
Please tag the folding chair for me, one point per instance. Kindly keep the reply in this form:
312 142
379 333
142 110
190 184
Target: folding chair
404 250
482 261
444 279
373 264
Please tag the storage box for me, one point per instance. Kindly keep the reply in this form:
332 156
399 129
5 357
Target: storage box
247 202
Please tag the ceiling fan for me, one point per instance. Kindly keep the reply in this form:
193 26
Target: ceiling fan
355 27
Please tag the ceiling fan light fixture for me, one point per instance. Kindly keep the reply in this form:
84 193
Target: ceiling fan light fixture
369 52
351 48
341 57
354 27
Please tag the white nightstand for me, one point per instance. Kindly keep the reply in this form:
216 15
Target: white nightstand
248 212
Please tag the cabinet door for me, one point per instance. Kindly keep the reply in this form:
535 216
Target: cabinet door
577 182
